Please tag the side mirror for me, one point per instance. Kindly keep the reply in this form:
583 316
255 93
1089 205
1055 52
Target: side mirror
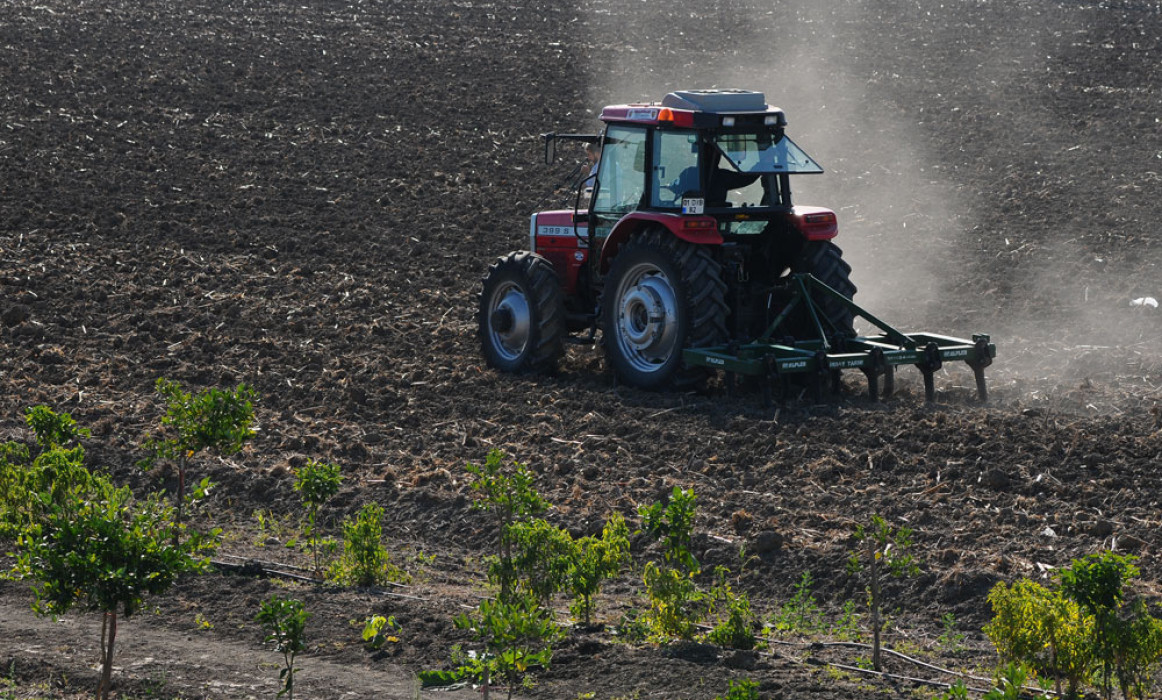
550 148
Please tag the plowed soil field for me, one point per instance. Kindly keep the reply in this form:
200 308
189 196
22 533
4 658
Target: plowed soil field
303 196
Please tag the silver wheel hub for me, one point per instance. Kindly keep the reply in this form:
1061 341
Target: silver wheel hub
647 318
510 321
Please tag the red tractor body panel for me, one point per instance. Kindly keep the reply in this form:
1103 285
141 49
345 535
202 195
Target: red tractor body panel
564 243
700 230
554 235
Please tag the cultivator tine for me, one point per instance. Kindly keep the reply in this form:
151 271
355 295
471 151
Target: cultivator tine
983 358
929 364
878 366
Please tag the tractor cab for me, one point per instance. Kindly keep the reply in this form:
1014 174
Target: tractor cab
718 153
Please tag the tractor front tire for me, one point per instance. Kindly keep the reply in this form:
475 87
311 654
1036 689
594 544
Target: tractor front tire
824 260
661 295
522 315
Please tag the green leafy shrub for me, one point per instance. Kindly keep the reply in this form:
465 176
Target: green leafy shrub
28 487
213 419
676 604
1126 640
316 482
53 429
507 494
543 555
1042 630
56 470
743 689
596 560
735 628
517 635
1084 630
365 561
672 523
284 622
374 634
801 614
92 545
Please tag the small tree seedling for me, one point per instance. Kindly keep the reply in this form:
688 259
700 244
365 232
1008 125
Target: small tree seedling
676 604
284 621
597 560
364 561
53 429
885 550
377 629
742 689
213 419
91 545
316 482
800 614
517 635
508 495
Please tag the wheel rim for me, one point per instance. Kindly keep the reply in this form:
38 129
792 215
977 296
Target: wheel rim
509 321
647 318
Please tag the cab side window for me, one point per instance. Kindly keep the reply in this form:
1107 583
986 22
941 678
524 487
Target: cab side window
676 171
622 175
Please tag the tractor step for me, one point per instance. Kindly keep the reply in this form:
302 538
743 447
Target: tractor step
827 355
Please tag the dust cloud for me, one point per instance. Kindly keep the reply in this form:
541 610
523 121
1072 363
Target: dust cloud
959 153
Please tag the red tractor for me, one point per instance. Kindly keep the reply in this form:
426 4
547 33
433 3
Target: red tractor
684 249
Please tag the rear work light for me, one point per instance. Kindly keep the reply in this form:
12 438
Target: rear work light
819 225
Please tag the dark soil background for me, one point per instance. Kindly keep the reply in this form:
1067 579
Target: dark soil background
303 196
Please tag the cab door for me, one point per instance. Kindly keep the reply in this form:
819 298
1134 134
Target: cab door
621 177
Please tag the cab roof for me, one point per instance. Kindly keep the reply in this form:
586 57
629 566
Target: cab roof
700 109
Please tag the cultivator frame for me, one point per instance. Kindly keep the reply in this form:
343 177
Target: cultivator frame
775 357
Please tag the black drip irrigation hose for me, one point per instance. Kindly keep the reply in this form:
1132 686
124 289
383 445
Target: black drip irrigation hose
255 567
884 674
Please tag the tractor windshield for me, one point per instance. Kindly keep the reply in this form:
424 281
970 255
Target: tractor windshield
764 152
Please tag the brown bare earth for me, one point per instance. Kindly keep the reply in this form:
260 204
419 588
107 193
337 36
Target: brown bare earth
304 196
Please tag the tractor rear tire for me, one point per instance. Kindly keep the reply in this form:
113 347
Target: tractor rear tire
522 315
661 295
824 260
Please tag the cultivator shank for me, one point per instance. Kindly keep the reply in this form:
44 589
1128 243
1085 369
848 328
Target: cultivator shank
829 353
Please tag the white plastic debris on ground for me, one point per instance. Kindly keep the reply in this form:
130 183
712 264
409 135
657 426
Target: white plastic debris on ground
1144 302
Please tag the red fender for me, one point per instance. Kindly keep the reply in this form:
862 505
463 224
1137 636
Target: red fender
699 230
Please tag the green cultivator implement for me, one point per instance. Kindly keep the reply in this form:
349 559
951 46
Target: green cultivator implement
876 356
